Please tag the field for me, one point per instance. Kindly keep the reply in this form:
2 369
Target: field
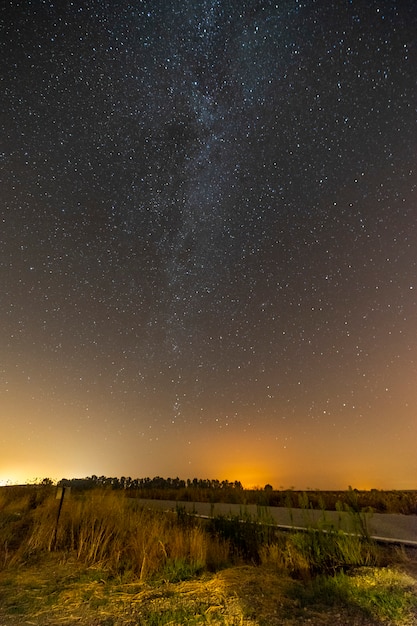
207 490
101 559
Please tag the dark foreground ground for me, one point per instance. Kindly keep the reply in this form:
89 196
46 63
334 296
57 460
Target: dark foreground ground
58 592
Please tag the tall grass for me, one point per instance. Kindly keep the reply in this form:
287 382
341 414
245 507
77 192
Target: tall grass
305 554
323 548
106 529
16 507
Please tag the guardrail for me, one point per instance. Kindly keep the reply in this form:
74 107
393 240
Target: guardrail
380 527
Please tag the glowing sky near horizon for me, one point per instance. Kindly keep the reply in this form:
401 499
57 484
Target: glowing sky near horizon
208 241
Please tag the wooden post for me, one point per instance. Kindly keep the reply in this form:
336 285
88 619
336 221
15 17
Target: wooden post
59 494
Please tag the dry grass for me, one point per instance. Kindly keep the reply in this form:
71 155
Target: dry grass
62 592
108 530
108 562
65 594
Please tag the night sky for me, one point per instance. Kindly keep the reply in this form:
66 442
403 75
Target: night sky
208 241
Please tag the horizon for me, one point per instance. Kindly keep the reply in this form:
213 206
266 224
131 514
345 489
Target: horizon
37 481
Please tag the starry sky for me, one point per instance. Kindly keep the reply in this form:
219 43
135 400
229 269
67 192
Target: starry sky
208 241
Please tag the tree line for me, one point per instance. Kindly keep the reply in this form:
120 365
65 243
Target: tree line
126 482
213 490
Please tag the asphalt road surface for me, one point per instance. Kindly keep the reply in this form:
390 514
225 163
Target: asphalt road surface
383 526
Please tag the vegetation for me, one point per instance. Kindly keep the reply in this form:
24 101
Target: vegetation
207 490
99 557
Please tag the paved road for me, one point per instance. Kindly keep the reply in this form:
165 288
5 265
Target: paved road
386 526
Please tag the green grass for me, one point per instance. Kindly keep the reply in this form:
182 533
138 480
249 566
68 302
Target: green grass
382 594
179 569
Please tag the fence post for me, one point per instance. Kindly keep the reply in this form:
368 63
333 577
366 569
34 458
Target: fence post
61 500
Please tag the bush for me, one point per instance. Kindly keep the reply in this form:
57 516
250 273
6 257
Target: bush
313 552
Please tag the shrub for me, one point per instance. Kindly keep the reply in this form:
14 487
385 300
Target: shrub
305 554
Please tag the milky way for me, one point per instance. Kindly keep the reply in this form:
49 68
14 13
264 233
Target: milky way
208 240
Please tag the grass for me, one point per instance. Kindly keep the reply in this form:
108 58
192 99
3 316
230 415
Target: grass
382 594
240 595
305 554
108 562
